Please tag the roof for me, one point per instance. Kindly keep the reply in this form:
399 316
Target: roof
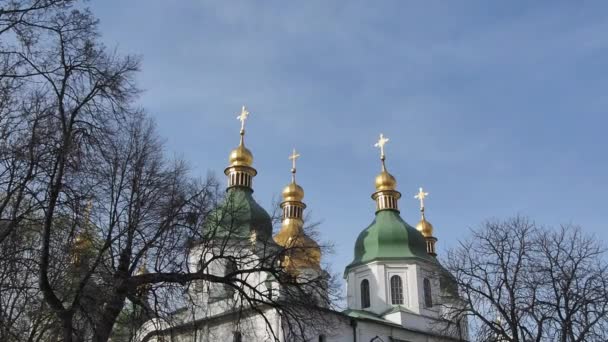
239 216
389 237
362 314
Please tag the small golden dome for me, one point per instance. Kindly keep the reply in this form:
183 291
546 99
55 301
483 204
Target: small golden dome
385 181
303 252
241 156
83 241
425 227
293 193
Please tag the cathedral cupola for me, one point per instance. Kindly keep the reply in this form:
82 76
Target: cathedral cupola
240 216
425 227
302 251
386 195
388 237
240 171
82 250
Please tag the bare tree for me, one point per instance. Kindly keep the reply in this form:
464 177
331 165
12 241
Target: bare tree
111 222
573 268
521 282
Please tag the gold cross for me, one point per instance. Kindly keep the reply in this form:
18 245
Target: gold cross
421 196
243 117
380 144
293 157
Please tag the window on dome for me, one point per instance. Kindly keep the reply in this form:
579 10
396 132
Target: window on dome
396 290
428 296
365 294
237 336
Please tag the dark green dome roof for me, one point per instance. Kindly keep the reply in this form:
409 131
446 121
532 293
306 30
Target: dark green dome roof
389 237
239 216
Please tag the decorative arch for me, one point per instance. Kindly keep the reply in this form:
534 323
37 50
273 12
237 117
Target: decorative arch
365 299
396 290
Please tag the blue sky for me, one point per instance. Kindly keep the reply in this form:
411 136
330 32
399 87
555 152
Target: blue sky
496 108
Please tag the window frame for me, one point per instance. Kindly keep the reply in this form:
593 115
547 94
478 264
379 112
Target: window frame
396 292
427 292
365 294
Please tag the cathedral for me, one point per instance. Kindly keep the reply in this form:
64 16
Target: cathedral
396 288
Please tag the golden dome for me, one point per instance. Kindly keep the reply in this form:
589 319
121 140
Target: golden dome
303 252
385 181
425 227
293 193
83 241
240 156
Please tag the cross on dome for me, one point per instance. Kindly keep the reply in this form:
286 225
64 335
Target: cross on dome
242 117
293 157
380 144
421 196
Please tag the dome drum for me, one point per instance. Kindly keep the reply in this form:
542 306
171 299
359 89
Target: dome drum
240 175
386 199
293 209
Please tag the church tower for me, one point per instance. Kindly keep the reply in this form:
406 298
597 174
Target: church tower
425 227
238 231
240 216
393 275
303 255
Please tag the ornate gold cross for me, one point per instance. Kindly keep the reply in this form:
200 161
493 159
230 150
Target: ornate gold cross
380 144
243 117
421 196
293 157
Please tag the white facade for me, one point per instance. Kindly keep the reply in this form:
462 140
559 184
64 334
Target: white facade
215 320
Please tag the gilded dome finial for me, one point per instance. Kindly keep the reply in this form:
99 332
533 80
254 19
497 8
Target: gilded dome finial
240 171
384 181
380 144
424 226
386 195
293 192
421 195
293 157
242 118
302 251
241 156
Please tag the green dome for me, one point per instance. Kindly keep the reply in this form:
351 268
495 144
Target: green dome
389 237
239 216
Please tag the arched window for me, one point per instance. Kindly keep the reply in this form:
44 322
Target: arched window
365 294
428 296
396 290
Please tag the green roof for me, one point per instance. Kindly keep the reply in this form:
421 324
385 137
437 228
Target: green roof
362 314
389 237
239 216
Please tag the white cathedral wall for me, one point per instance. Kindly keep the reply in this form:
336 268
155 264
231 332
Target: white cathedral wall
378 274
412 272
203 293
